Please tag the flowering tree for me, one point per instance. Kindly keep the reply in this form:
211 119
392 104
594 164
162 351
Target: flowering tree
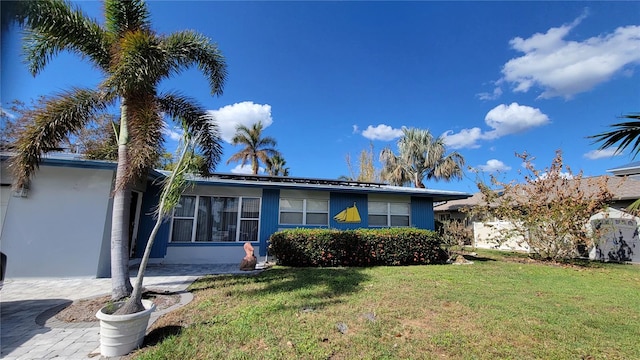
549 210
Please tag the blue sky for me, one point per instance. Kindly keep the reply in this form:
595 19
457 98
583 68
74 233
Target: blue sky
329 78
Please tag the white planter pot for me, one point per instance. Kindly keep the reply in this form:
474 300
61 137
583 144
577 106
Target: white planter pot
121 334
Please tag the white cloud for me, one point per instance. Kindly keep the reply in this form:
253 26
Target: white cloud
245 113
355 129
497 92
494 165
173 132
466 138
562 175
503 120
513 119
600 154
565 68
245 169
6 113
381 132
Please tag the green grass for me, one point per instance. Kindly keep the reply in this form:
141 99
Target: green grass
495 308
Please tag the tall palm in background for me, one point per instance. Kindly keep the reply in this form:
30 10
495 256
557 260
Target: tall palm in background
133 61
256 148
625 134
276 166
420 155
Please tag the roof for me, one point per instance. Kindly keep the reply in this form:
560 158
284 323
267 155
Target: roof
623 188
627 169
296 183
68 160
263 181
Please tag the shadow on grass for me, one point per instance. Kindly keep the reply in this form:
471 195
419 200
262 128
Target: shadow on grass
158 335
317 287
477 258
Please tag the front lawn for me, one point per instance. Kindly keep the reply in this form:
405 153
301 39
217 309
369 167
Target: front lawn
495 308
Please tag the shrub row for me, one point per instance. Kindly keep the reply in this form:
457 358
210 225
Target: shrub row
362 247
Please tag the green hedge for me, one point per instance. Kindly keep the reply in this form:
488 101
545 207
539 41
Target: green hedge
362 247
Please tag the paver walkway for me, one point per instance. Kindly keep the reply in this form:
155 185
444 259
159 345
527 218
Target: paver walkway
28 329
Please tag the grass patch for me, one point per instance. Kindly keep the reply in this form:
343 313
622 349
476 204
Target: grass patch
499 307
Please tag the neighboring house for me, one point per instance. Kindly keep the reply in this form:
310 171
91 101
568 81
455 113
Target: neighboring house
632 170
625 188
61 225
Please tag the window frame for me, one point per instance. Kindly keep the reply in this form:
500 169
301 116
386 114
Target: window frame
305 211
388 213
194 218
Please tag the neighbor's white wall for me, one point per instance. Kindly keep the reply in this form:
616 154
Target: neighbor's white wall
619 234
206 254
58 229
485 234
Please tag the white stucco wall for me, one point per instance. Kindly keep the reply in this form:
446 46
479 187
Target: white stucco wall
58 230
619 239
485 235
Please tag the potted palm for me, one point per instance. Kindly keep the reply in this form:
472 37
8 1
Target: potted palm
124 324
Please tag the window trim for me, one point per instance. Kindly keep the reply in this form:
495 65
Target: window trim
194 218
304 211
388 213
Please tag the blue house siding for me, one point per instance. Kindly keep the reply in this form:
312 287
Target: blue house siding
341 201
150 200
422 213
340 198
268 217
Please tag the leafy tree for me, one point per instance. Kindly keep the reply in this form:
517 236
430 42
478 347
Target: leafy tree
455 236
367 171
133 60
626 134
420 155
256 147
276 166
97 140
549 210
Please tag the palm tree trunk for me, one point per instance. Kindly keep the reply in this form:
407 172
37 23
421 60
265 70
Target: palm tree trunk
120 283
134 303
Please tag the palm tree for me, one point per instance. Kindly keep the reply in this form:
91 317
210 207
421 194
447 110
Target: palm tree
276 166
627 134
133 60
256 148
420 155
172 189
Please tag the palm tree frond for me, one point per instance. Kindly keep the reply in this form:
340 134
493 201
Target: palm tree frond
126 15
144 126
188 48
140 64
199 123
625 134
61 116
53 26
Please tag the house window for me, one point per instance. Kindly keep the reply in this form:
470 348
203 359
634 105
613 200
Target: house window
389 214
304 212
216 218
